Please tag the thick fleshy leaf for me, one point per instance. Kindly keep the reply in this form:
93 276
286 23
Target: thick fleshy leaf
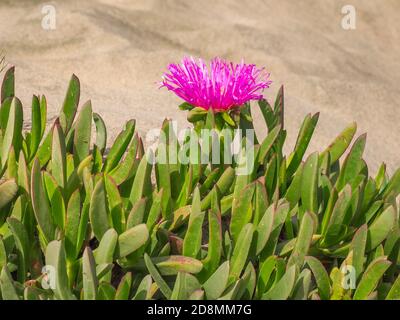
394 293
223 184
260 201
336 226
72 226
8 290
115 206
353 163
83 133
22 245
303 241
280 216
8 84
211 261
309 184
119 146
144 288
171 265
36 131
99 217
58 210
58 158
106 291
392 188
380 228
101 132
23 175
8 190
321 277
155 211
240 252
70 105
264 229
283 288
132 239
293 192
163 174
106 250
124 287
56 270
40 203
357 246
44 152
264 274
192 240
136 214
241 211
162 285
90 281
126 168
303 139
370 278
267 144
142 181
341 143
217 282
302 286
13 132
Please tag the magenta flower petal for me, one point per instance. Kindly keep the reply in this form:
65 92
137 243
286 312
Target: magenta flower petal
221 87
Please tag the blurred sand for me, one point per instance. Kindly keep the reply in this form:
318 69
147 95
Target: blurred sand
119 50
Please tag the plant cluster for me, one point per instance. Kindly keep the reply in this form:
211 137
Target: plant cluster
80 221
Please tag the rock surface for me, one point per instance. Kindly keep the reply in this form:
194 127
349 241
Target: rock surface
119 50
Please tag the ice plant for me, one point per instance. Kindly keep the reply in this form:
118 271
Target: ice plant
220 87
79 223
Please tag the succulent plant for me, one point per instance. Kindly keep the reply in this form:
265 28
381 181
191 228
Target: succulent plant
81 221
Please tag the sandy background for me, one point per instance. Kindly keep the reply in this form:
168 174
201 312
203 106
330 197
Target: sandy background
119 50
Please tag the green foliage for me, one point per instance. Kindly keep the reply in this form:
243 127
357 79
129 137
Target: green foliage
108 224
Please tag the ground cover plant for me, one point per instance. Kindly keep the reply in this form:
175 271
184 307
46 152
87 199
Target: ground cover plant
83 220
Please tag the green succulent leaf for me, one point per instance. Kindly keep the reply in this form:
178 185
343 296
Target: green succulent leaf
217 282
162 285
370 278
83 133
283 288
90 281
309 184
8 290
394 293
8 191
101 132
56 270
192 240
70 105
380 228
241 211
40 203
132 239
341 143
240 252
321 277
303 140
120 144
98 212
8 84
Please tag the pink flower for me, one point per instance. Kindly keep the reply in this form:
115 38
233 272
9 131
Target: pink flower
224 86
